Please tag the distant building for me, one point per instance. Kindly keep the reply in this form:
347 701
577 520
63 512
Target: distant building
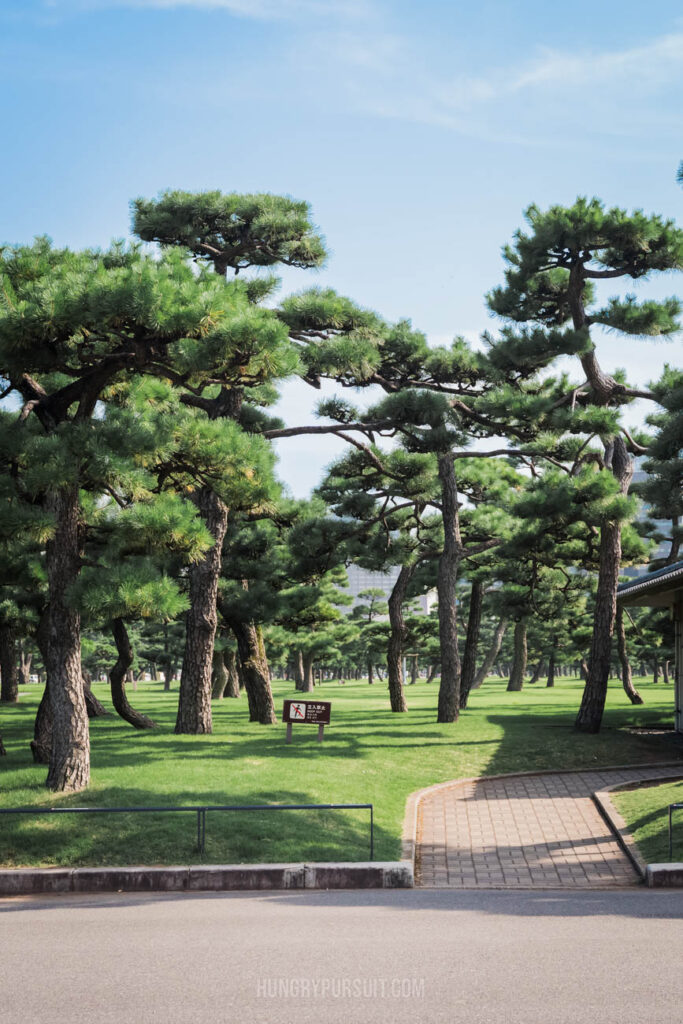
364 579
662 550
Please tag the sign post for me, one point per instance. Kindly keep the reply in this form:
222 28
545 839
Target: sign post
309 712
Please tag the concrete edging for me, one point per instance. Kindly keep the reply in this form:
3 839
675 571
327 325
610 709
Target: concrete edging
662 875
208 878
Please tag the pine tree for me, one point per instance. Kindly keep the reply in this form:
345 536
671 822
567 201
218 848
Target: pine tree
281 571
311 612
126 579
386 500
370 606
439 400
209 461
662 489
71 326
230 232
550 282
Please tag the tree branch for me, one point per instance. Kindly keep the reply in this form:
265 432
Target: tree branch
333 428
636 448
603 275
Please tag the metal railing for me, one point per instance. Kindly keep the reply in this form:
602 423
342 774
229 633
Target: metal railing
672 808
201 812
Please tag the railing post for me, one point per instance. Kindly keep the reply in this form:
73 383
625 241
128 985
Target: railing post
372 834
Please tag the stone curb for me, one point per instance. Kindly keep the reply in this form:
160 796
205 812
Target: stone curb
409 832
208 878
664 875
654 875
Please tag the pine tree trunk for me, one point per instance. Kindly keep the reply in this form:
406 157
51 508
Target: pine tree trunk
491 655
413 669
551 663
592 707
626 677
168 675
447 576
219 678
676 540
433 672
41 743
94 707
69 769
596 671
536 674
370 674
240 673
167 661
118 675
194 706
232 688
262 653
25 659
308 684
254 672
299 671
469 660
9 681
665 673
397 638
3 752
655 672
518 668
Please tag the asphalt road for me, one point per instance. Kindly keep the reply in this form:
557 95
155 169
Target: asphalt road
611 957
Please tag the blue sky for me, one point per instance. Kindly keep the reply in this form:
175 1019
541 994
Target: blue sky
418 132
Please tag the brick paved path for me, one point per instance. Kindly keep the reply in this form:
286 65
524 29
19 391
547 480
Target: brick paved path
533 831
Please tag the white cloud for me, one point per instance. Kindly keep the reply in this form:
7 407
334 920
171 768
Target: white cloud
629 72
651 65
389 76
365 63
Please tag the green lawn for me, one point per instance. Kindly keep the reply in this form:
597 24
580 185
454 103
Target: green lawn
369 755
646 813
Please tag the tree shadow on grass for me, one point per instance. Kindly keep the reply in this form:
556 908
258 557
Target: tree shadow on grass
118 745
170 837
544 743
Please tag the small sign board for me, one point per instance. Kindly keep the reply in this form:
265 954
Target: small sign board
312 712
307 712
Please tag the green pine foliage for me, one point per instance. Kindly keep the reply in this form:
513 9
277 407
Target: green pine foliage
662 489
237 230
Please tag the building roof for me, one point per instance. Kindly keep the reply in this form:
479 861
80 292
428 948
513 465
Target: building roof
654 588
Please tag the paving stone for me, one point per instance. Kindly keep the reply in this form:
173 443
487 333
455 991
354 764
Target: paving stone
534 831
